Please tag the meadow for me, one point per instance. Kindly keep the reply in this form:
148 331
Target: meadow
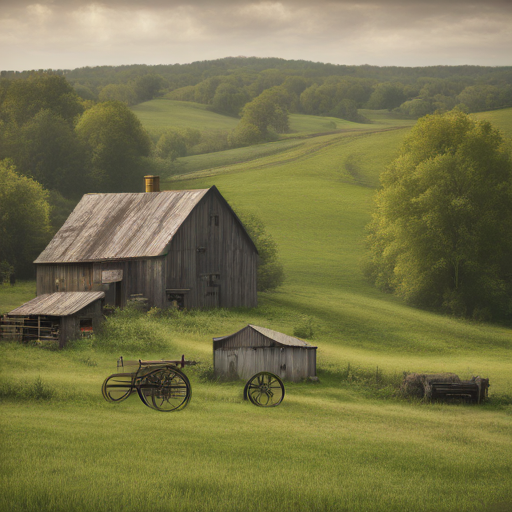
350 442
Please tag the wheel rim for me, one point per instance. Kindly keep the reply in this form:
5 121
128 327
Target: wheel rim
265 390
165 389
117 387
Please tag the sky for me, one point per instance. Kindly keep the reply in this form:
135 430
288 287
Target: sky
67 34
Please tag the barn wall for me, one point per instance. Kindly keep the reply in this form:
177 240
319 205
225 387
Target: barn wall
139 276
70 325
290 363
212 242
64 278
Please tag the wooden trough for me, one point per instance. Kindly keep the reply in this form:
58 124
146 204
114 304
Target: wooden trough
445 386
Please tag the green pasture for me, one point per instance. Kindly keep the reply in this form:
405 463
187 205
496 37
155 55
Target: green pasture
13 296
161 114
158 115
350 442
502 119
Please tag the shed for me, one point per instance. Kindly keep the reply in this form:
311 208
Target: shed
57 317
177 248
256 349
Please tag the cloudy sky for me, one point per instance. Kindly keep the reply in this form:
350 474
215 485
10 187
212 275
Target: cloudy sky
75 33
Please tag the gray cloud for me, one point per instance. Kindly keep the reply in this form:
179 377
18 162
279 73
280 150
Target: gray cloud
73 33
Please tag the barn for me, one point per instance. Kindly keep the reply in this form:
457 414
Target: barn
55 317
183 248
256 349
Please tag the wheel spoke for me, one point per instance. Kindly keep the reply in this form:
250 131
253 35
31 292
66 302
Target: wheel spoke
265 390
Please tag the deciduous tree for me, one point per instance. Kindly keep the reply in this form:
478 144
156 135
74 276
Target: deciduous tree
24 220
441 232
116 140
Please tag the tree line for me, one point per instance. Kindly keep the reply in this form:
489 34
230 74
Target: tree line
227 85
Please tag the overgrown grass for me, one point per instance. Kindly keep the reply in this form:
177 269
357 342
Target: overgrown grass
13 296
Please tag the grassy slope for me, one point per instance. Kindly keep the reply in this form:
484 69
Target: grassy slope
500 118
13 296
337 445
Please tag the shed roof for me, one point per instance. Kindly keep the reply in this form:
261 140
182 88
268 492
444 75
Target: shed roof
57 304
117 226
278 337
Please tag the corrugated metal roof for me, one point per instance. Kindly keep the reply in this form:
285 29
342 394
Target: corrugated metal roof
116 226
57 304
279 337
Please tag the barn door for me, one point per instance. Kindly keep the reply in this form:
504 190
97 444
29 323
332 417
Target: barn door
210 290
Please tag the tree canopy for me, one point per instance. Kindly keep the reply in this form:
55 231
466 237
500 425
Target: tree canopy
270 269
440 234
24 220
116 140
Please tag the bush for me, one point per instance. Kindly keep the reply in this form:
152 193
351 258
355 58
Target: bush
304 329
270 269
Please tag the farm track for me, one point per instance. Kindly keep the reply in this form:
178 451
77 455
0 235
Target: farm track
344 135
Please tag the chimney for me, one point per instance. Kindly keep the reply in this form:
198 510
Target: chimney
152 183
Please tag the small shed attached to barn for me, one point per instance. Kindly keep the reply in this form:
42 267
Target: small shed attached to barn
55 317
257 349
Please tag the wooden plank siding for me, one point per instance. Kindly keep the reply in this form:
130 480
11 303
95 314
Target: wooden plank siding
290 363
250 351
211 241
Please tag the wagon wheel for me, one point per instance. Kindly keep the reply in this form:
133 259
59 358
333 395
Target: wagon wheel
265 389
165 389
117 387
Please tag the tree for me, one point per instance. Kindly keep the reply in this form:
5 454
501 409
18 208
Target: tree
115 140
149 86
47 149
270 269
229 99
24 221
171 145
26 97
440 235
118 92
269 109
386 95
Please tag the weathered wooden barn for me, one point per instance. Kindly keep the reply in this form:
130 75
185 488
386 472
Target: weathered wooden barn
56 317
182 248
256 349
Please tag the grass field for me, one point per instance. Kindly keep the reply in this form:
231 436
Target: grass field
347 443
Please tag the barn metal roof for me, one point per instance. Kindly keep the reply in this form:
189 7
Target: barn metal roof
278 337
117 226
57 304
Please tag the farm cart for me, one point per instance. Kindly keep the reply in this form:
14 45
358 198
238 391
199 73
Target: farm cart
161 385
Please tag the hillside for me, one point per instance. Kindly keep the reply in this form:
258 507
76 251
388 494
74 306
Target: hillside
349 442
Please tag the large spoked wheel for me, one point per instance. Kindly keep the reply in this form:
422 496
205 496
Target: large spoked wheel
265 390
165 389
117 387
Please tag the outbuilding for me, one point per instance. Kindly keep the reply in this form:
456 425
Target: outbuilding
256 349
56 317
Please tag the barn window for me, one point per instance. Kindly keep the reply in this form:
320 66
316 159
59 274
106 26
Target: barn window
86 327
214 219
